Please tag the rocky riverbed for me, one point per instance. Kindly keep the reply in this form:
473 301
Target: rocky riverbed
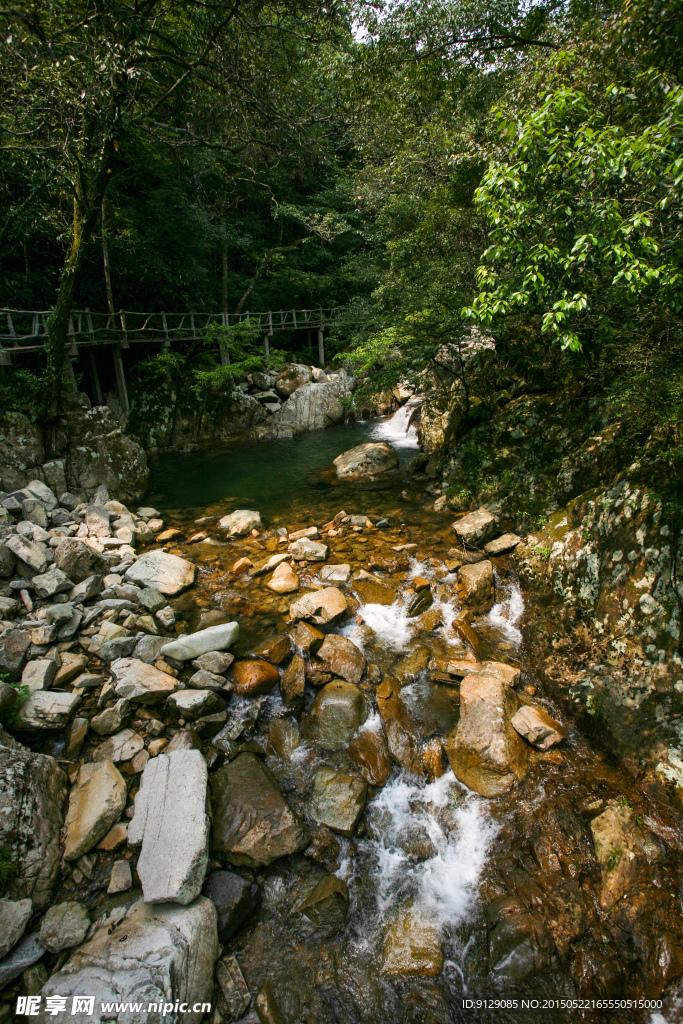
300 765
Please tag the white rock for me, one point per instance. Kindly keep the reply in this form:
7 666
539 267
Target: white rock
38 674
95 803
241 522
14 916
154 953
47 709
215 638
123 746
65 925
168 573
171 824
138 681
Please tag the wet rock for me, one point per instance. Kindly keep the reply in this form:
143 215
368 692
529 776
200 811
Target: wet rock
233 986
619 850
284 580
308 550
272 563
267 1006
65 925
293 682
321 606
337 800
33 555
241 522
46 710
113 718
341 657
142 683
369 753
291 378
366 462
275 650
283 737
403 740
52 582
165 951
412 946
475 586
235 900
537 727
371 591
191 704
328 903
216 662
14 916
408 669
307 637
509 674
516 949
123 746
77 560
38 674
33 793
476 528
171 825
420 603
501 545
335 716
95 803
26 952
252 823
484 751
335 573
251 678
215 638
14 645
121 878
169 574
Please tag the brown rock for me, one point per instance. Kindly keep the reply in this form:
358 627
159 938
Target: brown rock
275 650
321 606
475 586
403 740
501 545
250 678
476 528
307 637
537 727
293 681
341 657
72 666
336 714
241 566
374 591
284 580
484 751
509 674
368 752
412 946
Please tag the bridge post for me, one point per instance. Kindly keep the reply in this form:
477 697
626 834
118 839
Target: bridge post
225 353
321 348
95 378
266 348
121 380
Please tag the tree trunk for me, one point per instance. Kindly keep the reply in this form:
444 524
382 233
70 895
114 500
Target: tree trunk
224 266
105 258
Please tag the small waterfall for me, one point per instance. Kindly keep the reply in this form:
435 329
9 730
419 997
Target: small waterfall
397 429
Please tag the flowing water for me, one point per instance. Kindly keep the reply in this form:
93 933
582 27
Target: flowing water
428 856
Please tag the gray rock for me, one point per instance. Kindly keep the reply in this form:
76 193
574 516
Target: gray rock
69 501
33 555
203 680
8 560
148 648
77 560
215 638
165 617
113 718
46 710
65 925
9 607
241 522
476 528
33 792
95 803
26 952
86 590
121 878
14 644
167 573
97 520
336 715
14 916
38 674
335 573
118 648
191 704
152 599
43 493
366 462
235 900
337 800
253 824
165 951
137 681
291 378
216 662
123 746
308 550
35 512
8 696
233 986
311 407
172 827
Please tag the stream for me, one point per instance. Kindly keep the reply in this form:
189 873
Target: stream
499 896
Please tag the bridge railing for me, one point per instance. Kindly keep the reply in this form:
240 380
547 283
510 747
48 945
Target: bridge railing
26 330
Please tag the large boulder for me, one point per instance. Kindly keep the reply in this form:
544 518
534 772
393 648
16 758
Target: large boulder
171 825
368 461
292 377
341 657
33 791
111 459
475 586
46 710
21 450
253 824
476 528
214 638
241 522
14 645
148 953
310 407
336 715
168 573
95 803
484 750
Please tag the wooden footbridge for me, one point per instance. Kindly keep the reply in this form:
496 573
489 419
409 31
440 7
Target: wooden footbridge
23 331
